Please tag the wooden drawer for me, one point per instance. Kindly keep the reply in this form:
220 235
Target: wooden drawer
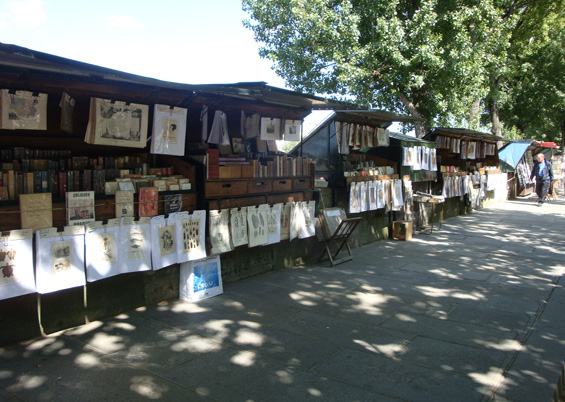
282 184
225 188
259 186
301 183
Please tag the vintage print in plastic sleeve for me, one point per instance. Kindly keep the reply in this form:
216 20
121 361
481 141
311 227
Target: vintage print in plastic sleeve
270 129
274 223
134 253
257 225
23 110
191 231
169 130
238 226
59 259
16 264
117 123
292 130
219 232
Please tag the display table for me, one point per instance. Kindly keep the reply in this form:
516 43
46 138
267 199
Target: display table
422 201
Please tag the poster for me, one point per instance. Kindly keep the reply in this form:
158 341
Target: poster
16 264
134 254
191 232
101 243
238 226
163 241
23 110
257 225
219 231
59 262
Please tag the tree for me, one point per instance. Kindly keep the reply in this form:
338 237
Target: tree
430 58
534 88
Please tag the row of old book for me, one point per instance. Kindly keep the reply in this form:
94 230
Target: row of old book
73 163
36 210
101 181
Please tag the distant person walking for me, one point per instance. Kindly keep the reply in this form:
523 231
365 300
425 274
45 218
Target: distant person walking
544 176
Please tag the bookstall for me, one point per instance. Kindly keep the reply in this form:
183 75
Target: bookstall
111 181
469 168
517 160
363 166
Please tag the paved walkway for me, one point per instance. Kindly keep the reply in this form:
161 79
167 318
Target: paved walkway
470 313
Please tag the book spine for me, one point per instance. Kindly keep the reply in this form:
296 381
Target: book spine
62 184
37 181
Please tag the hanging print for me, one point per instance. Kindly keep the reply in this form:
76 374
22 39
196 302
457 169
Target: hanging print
16 264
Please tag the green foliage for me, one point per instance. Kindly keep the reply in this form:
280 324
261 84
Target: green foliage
430 58
535 88
427 57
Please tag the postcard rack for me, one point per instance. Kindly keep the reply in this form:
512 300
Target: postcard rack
340 236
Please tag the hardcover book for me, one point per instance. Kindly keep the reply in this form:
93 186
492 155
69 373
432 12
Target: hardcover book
173 203
148 201
80 207
36 211
124 203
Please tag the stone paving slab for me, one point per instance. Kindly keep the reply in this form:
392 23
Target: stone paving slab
450 331
285 347
452 357
63 369
400 379
535 372
232 375
142 343
346 333
490 318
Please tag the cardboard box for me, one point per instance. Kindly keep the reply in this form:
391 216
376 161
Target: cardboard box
402 230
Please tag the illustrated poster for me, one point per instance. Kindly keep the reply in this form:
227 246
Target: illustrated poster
238 226
16 264
219 231
274 224
134 253
163 241
101 243
257 225
191 232
59 260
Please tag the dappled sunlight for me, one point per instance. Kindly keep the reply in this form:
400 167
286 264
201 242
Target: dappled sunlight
146 387
284 377
243 359
28 382
371 303
386 349
249 336
192 344
456 294
506 345
492 378
87 360
221 327
405 318
305 298
108 343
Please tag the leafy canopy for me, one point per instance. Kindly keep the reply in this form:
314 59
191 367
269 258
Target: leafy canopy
431 58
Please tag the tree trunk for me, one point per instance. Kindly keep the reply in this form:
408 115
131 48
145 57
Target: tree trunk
563 134
495 118
419 126
474 117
